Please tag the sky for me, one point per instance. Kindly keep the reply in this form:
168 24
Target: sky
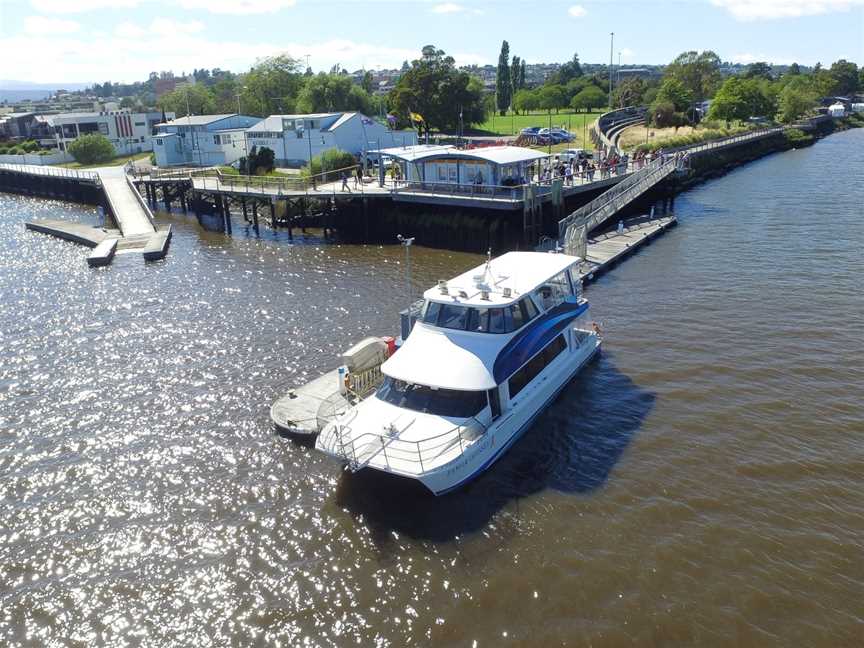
57 41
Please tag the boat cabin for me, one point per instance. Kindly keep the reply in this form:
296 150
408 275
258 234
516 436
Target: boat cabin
484 336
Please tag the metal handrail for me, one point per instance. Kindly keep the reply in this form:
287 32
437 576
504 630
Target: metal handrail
420 452
141 201
52 171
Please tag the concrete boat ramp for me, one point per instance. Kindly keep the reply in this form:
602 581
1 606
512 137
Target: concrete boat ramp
136 229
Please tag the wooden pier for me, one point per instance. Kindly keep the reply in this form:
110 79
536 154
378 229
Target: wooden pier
136 227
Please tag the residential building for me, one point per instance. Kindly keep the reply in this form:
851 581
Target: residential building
202 140
129 132
295 138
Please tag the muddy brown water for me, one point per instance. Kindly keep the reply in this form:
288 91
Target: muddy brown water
701 483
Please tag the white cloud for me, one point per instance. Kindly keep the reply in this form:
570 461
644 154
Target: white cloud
39 25
159 27
81 6
132 51
238 7
577 11
747 10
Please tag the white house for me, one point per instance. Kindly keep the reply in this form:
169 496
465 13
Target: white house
129 132
202 140
296 138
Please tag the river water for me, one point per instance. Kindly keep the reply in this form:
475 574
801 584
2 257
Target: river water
701 483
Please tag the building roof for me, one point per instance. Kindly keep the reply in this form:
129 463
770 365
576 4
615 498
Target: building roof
493 154
521 272
197 120
274 122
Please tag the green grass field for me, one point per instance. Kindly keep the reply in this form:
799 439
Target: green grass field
512 124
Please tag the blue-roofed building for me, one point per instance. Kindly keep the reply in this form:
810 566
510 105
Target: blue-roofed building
202 140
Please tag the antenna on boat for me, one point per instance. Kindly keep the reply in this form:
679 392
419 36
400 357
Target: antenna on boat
406 243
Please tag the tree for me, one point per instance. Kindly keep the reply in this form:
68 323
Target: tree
436 90
515 66
552 97
588 98
796 98
741 99
699 73
271 86
630 92
758 69
331 92
503 86
526 101
198 97
845 74
572 69
673 91
91 149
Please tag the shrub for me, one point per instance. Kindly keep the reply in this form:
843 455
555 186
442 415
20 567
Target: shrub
329 161
92 149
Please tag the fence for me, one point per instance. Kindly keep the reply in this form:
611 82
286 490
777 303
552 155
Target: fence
53 172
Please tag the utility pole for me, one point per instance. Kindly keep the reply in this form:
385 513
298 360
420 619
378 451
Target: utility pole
611 47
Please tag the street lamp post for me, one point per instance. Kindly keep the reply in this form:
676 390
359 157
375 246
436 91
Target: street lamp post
611 47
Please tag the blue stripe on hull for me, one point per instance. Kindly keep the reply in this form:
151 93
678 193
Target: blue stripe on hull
521 430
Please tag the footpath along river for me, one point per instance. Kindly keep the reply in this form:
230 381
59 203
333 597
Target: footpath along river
702 483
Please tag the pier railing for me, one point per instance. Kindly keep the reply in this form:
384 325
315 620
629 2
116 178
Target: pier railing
53 172
399 454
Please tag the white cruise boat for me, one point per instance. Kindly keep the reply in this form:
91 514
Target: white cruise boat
489 351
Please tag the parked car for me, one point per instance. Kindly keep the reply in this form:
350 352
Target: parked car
557 134
568 155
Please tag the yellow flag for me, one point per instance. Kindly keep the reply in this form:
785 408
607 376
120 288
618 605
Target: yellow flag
416 117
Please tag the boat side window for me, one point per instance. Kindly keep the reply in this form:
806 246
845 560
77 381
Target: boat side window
554 290
494 403
496 321
453 316
529 310
430 313
478 320
535 365
516 320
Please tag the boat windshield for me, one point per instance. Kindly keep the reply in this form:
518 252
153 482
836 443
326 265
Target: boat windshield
479 320
429 400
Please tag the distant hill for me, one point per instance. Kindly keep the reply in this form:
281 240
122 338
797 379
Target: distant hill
11 90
